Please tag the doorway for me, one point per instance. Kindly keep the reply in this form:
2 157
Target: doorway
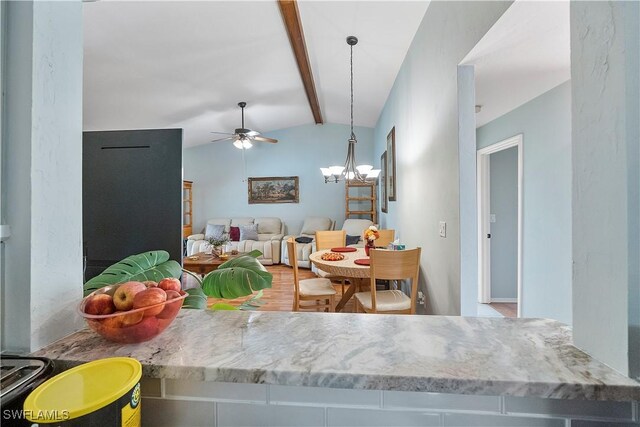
499 196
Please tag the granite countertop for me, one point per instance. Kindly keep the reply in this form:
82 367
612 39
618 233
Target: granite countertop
462 355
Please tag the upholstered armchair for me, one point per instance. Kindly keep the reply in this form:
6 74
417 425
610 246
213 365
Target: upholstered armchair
304 241
355 228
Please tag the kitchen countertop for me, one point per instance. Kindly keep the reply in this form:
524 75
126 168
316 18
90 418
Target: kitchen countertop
444 354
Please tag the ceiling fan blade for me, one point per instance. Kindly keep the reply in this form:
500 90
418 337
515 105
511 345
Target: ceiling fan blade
253 133
264 139
223 133
229 138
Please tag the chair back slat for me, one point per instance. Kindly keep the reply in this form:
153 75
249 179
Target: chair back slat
293 258
386 236
330 239
395 265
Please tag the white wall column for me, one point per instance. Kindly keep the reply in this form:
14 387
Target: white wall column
468 197
605 213
42 172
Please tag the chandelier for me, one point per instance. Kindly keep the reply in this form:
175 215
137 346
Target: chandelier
350 172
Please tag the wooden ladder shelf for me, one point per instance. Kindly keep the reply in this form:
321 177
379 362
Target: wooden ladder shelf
361 209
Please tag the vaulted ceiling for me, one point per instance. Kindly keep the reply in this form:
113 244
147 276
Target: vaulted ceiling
158 64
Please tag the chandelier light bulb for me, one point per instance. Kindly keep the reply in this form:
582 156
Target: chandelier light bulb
336 170
364 169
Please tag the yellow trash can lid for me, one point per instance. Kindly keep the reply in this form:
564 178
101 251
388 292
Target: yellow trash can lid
85 388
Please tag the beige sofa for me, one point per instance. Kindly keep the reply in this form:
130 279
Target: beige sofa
269 242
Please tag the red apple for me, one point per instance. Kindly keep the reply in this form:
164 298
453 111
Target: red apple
150 284
173 294
171 308
170 284
114 322
100 304
143 331
149 297
123 296
130 319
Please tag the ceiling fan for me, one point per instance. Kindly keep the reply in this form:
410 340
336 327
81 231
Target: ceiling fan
242 137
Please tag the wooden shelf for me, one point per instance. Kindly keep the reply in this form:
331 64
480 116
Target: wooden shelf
187 206
372 213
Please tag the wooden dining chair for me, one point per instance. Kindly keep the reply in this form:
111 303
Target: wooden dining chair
391 265
386 236
328 240
317 289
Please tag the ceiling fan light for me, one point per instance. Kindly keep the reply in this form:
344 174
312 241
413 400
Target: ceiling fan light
246 144
336 170
238 144
364 169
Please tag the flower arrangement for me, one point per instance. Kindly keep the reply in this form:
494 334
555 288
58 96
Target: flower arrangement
371 233
217 244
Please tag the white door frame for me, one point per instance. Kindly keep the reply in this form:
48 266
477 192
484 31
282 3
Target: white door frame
483 192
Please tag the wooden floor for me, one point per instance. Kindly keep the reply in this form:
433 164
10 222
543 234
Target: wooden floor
280 296
507 309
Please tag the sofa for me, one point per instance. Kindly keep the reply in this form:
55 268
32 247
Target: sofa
309 228
270 232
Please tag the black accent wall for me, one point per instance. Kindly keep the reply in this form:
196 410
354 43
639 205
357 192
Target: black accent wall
132 195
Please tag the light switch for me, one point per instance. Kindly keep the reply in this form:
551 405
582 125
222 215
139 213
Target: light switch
5 232
492 218
443 229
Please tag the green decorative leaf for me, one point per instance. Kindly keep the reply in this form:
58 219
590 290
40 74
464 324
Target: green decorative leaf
196 299
236 278
223 306
152 265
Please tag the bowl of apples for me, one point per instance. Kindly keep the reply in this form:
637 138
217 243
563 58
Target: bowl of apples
133 312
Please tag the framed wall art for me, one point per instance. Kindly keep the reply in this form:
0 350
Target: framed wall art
384 203
391 165
274 190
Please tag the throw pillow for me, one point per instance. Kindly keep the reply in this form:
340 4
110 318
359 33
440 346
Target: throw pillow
234 234
352 240
304 239
214 231
249 232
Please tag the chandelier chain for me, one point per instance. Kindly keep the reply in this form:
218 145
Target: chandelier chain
353 136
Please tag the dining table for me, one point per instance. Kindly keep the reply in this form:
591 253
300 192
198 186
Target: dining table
357 274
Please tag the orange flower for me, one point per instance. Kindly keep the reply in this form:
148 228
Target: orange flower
371 233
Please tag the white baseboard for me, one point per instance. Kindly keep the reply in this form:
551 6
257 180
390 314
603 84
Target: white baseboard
504 300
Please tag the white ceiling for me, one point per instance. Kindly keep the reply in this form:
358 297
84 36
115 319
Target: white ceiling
158 64
526 53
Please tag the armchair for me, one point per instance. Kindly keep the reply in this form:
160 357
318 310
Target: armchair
309 228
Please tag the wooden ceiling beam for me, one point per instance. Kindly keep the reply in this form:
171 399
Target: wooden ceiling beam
293 24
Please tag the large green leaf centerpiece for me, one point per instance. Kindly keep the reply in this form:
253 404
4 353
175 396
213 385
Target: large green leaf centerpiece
152 265
237 277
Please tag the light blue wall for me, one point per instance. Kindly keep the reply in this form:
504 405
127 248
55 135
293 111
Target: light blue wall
545 123
423 107
217 174
504 231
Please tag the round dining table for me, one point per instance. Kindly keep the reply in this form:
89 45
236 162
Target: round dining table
357 274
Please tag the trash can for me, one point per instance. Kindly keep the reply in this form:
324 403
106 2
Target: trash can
102 393
20 376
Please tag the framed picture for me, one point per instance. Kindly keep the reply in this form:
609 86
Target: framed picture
384 203
391 165
274 190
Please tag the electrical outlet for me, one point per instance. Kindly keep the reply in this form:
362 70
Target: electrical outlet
443 229
420 298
